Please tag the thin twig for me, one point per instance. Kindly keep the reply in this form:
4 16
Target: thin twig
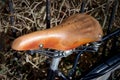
27 60
60 8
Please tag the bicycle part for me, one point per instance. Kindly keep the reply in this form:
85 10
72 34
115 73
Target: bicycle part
111 20
11 12
103 71
96 46
73 70
52 54
79 29
90 48
55 63
12 17
115 75
53 71
112 16
82 6
114 33
57 54
52 74
48 13
53 68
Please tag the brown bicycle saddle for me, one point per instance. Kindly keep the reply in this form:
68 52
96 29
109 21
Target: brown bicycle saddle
74 31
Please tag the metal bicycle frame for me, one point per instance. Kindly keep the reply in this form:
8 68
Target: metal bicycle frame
53 71
101 72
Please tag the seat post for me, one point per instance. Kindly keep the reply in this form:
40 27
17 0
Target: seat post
55 63
53 68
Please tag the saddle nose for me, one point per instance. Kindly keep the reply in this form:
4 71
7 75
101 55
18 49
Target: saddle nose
74 31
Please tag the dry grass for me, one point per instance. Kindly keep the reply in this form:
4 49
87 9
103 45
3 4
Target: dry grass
30 16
